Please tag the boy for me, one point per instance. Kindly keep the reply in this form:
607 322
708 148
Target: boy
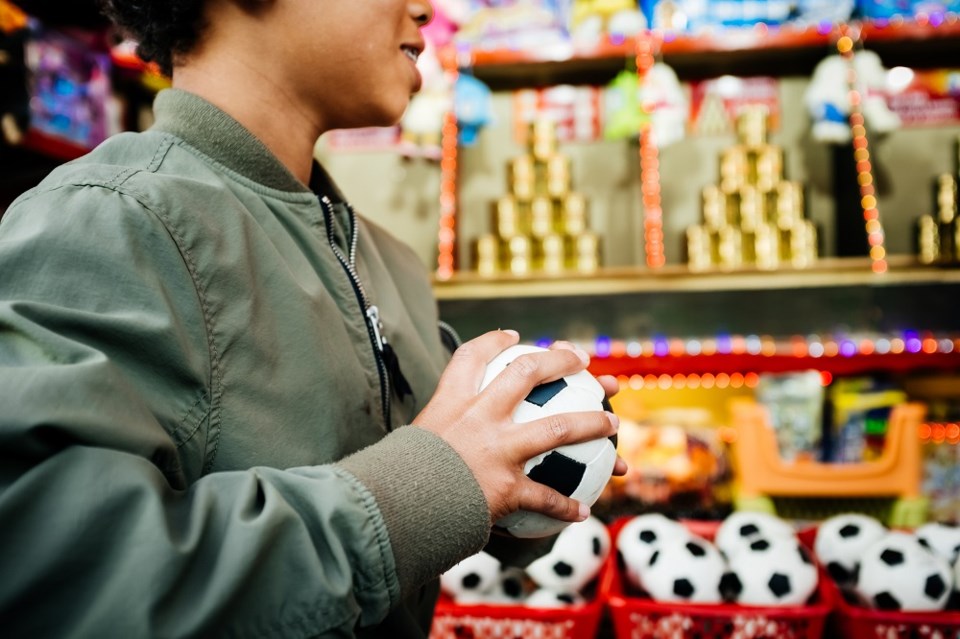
218 383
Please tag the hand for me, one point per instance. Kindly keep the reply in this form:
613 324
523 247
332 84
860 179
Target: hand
479 425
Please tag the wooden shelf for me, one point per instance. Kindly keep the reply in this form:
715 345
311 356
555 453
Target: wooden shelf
826 273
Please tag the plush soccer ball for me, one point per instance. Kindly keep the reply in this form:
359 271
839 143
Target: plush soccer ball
580 471
899 573
771 572
942 539
471 580
841 541
684 570
740 528
575 558
546 598
640 537
510 589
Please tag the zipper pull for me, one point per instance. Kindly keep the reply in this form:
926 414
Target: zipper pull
373 315
399 383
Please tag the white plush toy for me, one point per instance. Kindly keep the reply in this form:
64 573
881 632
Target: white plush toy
828 97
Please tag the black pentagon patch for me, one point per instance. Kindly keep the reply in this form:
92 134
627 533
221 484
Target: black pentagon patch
597 547
838 572
654 557
558 472
648 536
955 553
545 392
730 586
621 562
513 587
748 530
759 545
779 584
850 530
562 569
682 588
891 557
471 580
695 549
923 542
886 601
934 587
607 407
804 555
565 598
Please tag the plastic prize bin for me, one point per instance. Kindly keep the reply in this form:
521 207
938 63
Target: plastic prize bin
643 618
483 621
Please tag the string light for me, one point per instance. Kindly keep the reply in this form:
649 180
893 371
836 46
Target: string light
649 159
447 234
861 154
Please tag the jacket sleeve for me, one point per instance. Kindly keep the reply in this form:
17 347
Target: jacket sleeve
109 525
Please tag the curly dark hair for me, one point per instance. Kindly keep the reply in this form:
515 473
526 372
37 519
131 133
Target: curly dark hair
163 29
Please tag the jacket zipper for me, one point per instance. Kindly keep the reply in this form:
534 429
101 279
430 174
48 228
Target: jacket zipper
371 314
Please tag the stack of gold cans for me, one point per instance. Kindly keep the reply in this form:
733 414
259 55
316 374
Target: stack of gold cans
541 225
753 217
938 235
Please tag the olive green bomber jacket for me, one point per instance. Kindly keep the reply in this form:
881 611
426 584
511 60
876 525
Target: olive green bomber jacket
192 434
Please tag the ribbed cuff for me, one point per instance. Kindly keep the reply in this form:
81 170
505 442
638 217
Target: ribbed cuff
433 507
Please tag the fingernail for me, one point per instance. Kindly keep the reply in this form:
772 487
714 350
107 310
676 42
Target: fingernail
511 332
614 420
582 354
584 511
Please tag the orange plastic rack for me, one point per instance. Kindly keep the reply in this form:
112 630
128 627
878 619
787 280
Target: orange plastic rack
763 474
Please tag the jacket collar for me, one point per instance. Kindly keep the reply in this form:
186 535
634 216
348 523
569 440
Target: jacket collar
213 132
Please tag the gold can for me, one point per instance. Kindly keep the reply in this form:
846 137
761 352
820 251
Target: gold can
573 214
946 198
729 248
752 211
767 246
714 208
549 254
769 167
699 252
789 205
542 221
487 254
586 252
521 177
543 138
734 169
752 125
803 244
928 239
508 217
518 255
558 176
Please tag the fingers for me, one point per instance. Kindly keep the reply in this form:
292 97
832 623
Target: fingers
468 364
620 467
610 385
542 499
532 369
541 435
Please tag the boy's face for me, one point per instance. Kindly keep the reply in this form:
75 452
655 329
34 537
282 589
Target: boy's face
352 61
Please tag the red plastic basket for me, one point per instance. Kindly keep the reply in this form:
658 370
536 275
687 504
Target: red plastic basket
854 622
643 618
456 621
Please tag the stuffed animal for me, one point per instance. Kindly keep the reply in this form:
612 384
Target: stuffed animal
590 20
828 97
661 93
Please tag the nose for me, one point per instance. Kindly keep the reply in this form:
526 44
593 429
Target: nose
421 12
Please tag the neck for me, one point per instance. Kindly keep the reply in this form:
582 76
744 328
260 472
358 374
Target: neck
259 103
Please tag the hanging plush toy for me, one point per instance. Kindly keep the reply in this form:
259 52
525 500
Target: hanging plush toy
828 97
661 93
591 20
474 108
